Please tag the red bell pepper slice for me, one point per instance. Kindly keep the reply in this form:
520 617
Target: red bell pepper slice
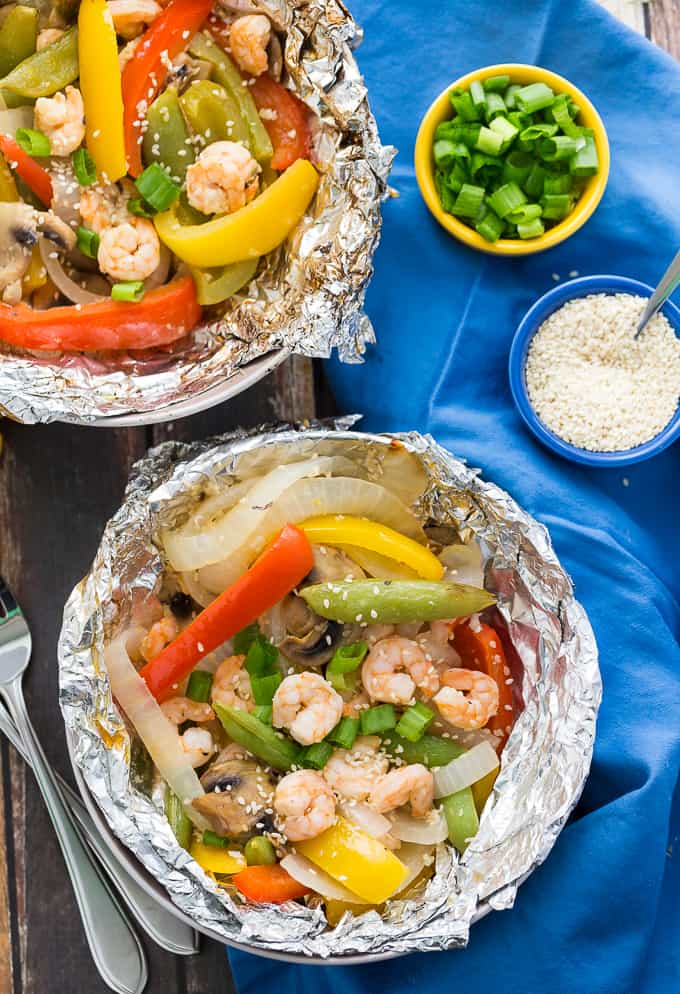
162 316
289 130
483 650
269 883
145 73
277 571
33 175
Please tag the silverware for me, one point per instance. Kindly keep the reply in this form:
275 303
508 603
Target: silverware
114 945
166 931
665 288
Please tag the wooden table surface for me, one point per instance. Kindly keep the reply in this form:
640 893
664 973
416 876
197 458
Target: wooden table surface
58 487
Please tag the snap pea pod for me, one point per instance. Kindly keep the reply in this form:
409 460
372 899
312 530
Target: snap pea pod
17 37
393 602
45 72
166 139
178 818
461 817
213 286
213 112
258 738
430 750
227 75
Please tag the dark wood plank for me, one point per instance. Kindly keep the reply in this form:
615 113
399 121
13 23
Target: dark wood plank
664 23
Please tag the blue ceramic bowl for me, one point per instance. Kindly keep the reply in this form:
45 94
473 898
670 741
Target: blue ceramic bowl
528 327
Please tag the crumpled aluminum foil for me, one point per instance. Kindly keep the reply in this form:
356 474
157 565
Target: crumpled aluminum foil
557 681
308 299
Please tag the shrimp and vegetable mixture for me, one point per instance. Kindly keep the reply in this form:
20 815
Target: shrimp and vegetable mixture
330 701
164 137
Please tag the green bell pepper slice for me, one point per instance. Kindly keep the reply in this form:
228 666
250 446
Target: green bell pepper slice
212 112
213 286
45 72
227 75
461 817
18 35
178 818
394 602
166 139
258 738
430 750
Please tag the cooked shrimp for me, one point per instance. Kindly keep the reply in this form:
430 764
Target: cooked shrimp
62 119
129 251
102 208
223 179
307 706
181 709
305 804
231 685
130 16
354 772
394 668
413 784
198 745
355 705
248 40
47 37
159 635
434 642
468 698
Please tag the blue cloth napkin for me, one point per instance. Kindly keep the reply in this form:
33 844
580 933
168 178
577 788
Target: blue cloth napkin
602 915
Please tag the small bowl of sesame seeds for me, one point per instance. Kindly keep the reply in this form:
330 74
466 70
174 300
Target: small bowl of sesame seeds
584 385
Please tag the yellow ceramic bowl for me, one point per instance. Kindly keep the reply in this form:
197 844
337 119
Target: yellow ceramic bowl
441 110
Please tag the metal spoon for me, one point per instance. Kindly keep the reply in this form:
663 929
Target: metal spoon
665 288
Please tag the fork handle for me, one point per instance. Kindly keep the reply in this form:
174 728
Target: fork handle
115 948
665 288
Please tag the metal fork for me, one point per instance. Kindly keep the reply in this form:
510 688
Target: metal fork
664 289
114 945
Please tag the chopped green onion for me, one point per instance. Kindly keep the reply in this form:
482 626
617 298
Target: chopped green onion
555 183
245 638
497 84
505 129
264 687
380 718
468 134
446 195
560 147
524 213
344 733
519 119
469 200
495 105
485 168
585 162
556 206
445 130
84 168
140 208
534 181
347 659
454 181
157 188
506 199
490 227
534 97
536 131
510 94
127 293
414 721
517 167
444 152
315 757
88 242
489 142
33 142
463 105
532 229
260 659
213 839
199 686
562 117
478 95
263 712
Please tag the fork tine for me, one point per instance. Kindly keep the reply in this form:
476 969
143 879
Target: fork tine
8 605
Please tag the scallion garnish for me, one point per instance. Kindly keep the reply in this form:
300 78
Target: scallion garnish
414 721
128 293
380 718
84 168
33 142
88 242
157 188
140 208
344 733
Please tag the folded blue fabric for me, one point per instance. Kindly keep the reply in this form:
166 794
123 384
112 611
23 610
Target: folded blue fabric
602 915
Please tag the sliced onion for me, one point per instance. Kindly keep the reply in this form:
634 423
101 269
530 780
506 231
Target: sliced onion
15 117
273 624
366 818
415 858
238 533
306 873
192 586
66 194
156 732
423 831
160 273
463 564
379 566
74 291
466 770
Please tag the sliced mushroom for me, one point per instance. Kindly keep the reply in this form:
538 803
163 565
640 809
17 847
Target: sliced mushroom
20 228
239 794
332 564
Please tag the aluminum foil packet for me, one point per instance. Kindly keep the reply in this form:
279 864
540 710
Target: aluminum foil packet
553 658
307 297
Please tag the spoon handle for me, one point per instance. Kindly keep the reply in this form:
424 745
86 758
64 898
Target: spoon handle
665 288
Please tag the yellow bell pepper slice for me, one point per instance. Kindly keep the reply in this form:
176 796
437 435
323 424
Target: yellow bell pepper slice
36 274
100 85
253 231
8 188
214 860
481 789
356 860
345 529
